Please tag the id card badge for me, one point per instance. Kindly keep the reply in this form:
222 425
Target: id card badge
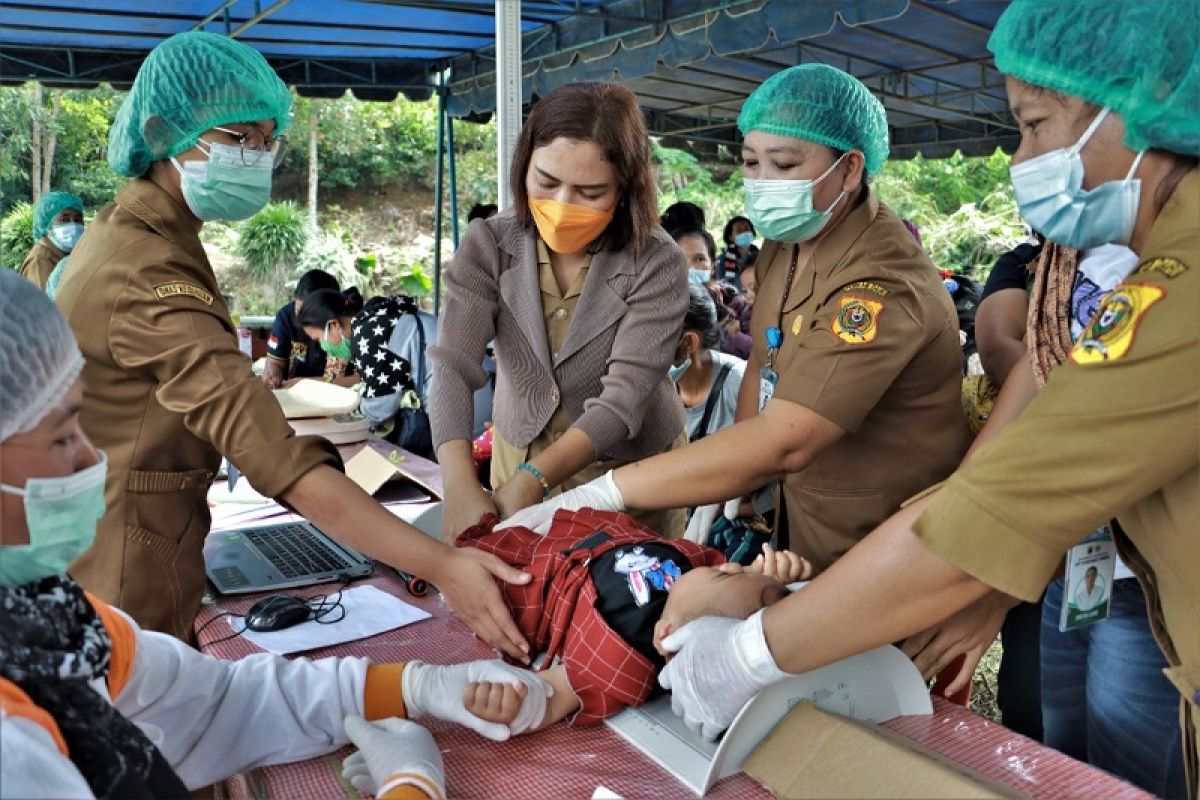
768 378
1087 587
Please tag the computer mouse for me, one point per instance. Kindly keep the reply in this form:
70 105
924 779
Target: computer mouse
276 612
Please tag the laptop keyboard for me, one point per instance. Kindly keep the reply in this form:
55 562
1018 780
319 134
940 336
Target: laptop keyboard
295 552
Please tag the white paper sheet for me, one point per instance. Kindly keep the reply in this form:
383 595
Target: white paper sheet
369 611
872 687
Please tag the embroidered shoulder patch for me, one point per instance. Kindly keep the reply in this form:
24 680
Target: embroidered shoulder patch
865 286
1167 267
857 319
180 288
1109 336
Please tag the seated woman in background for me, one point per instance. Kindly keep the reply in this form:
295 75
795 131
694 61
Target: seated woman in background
384 342
291 354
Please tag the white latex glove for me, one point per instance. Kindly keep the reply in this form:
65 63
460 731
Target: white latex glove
719 665
601 494
731 508
434 690
701 523
393 752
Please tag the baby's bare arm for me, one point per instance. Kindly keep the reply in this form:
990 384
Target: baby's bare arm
500 702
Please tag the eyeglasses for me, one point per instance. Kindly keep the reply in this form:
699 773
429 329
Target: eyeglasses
255 144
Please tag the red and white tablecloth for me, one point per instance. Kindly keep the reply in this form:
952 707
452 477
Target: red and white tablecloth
565 762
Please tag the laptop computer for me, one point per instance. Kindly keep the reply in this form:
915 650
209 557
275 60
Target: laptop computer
282 556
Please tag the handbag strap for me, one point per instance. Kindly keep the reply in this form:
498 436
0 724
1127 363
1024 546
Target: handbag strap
714 395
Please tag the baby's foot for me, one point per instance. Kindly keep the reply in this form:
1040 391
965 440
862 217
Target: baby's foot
495 702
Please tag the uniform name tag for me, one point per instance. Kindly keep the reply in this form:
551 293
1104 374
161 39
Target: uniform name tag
181 288
1087 588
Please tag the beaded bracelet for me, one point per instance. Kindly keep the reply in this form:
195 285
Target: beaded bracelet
537 473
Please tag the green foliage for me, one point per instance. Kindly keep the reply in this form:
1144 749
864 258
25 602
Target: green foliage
16 235
272 239
963 206
682 177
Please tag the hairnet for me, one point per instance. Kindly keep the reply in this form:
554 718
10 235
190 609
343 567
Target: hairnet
189 84
1137 57
822 104
39 359
49 206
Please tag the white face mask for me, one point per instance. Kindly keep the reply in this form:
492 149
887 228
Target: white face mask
65 235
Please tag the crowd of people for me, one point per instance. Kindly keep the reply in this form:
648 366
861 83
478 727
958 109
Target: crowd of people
677 434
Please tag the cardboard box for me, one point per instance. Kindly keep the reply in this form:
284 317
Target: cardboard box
815 754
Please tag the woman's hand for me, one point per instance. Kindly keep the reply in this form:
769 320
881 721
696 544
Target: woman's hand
521 491
970 632
467 579
464 506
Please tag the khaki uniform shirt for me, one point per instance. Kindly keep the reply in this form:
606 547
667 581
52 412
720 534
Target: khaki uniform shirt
558 309
41 261
870 343
1115 432
166 392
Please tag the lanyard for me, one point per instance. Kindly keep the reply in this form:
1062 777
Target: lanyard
775 334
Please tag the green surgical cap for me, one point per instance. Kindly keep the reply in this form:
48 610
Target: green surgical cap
48 207
1138 57
821 104
189 84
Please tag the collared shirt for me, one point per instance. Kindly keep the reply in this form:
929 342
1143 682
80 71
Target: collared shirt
870 343
291 346
41 261
1115 431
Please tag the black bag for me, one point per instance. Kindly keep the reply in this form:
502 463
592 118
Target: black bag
410 428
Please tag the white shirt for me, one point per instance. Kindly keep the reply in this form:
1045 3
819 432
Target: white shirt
1085 600
725 412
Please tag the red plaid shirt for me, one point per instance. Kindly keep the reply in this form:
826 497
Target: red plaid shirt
557 612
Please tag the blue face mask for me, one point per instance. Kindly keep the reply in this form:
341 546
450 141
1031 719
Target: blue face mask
61 514
65 235
224 187
744 239
699 275
1050 194
677 371
783 209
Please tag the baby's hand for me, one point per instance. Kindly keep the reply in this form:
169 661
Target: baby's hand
495 702
782 565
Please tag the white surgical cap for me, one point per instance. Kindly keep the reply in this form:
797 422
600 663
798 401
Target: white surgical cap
39 360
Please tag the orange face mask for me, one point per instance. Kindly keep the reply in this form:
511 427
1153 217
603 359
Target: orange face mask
567 227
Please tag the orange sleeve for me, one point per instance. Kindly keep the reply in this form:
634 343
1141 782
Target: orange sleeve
405 791
16 703
124 645
383 695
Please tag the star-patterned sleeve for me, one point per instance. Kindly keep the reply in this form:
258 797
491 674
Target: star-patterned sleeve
383 371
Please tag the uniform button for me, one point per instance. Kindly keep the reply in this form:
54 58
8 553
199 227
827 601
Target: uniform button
560 314
554 395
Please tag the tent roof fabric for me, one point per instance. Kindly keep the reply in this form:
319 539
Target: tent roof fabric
691 62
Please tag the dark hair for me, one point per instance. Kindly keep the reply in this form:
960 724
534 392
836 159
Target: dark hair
324 305
679 233
481 211
727 234
702 316
312 281
682 215
607 115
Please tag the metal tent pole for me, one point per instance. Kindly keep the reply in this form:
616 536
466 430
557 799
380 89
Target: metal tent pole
437 203
508 93
453 179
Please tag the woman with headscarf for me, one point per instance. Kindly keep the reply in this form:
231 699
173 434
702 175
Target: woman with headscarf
851 397
57 226
167 392
93 706
1108 103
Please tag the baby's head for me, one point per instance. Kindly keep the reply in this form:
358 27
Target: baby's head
724 591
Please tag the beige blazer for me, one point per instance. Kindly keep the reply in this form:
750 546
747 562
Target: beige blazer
611 373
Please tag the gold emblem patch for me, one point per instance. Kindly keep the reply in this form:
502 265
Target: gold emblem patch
1109 335
180 288
1167 267
857 320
